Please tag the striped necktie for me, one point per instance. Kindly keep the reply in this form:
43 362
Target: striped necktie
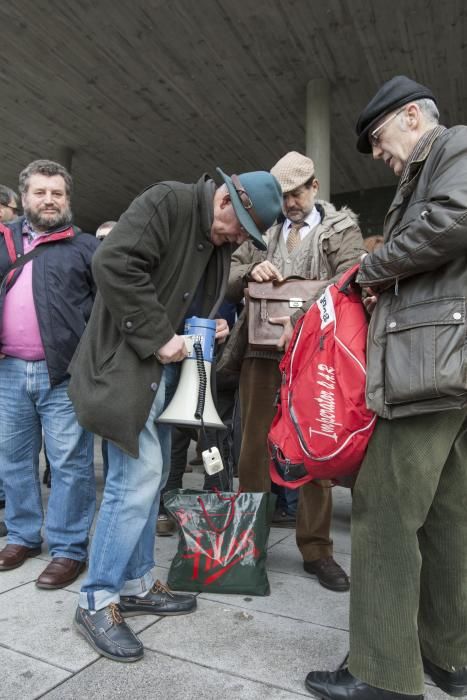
294 239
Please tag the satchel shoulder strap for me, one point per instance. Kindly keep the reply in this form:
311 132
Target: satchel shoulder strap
17 258
21 260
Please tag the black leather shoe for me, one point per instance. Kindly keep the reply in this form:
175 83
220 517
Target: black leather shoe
160 600
452 682
329 573
108 634
3 529
341 685
2 503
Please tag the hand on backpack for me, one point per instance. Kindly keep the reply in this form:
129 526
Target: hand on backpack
369 302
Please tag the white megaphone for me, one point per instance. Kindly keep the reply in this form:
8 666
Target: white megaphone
192 403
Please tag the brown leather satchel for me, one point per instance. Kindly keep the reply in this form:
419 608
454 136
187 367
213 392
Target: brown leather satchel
267 300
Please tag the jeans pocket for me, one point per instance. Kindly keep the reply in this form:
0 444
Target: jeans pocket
426 351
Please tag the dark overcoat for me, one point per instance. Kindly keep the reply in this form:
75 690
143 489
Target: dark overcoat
147 272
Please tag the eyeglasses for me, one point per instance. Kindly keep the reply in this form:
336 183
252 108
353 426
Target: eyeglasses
374 137
9 205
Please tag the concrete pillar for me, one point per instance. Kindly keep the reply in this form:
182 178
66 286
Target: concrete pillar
64 156
318 132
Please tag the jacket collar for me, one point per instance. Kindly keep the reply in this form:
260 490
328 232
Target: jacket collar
59 233
205 189
417 158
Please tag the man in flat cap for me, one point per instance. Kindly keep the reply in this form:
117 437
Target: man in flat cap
314 241
167 259
408 603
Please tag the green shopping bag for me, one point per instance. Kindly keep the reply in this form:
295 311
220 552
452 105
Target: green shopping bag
223 541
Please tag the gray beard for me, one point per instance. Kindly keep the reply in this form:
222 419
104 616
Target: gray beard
38 221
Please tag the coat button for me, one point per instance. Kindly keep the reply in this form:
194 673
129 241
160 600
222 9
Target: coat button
154 386
393 324
200 246
371 395
129 324
186 295
457 316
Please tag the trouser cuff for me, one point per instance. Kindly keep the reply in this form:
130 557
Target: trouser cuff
138 585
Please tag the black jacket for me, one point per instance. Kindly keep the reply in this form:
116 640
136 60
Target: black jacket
63 290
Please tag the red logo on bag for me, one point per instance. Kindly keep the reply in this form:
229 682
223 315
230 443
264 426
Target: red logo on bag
210 564
182 516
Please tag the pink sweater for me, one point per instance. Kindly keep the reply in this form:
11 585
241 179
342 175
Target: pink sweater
20 336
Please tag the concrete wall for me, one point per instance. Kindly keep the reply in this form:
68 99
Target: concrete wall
370 205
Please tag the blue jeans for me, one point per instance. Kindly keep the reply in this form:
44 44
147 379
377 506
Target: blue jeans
2 492
28 406
122 550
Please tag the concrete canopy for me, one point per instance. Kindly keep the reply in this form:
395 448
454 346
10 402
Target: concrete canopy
167 89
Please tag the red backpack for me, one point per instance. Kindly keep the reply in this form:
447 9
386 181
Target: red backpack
322 425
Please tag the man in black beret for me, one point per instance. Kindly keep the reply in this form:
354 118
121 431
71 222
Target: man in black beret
408 603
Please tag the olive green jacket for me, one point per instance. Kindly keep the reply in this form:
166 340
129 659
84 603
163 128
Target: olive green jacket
147 272
417 348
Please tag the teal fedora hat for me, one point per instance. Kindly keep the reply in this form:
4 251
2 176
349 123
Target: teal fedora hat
257 201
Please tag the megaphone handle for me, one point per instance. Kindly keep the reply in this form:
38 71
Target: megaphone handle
199 411
202 380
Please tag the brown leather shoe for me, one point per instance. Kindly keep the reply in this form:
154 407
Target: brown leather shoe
329 573
60 572
13 555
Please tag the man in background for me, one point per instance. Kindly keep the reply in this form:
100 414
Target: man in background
104 229
9 204
44 306
314 241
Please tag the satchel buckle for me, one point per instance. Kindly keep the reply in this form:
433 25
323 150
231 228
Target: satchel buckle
295 303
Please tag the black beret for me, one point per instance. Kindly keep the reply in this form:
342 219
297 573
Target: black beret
393 94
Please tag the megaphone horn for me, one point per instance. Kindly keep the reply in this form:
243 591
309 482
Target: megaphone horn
192 403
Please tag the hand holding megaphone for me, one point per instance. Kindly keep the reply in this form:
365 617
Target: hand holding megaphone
192 403
173 351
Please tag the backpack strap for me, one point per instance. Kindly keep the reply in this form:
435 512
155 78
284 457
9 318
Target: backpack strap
348 278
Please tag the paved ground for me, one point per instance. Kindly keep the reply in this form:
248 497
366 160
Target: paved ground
239 647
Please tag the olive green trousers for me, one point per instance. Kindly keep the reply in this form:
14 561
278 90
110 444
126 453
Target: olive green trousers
409 552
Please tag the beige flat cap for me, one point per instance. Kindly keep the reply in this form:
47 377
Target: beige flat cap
293 170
